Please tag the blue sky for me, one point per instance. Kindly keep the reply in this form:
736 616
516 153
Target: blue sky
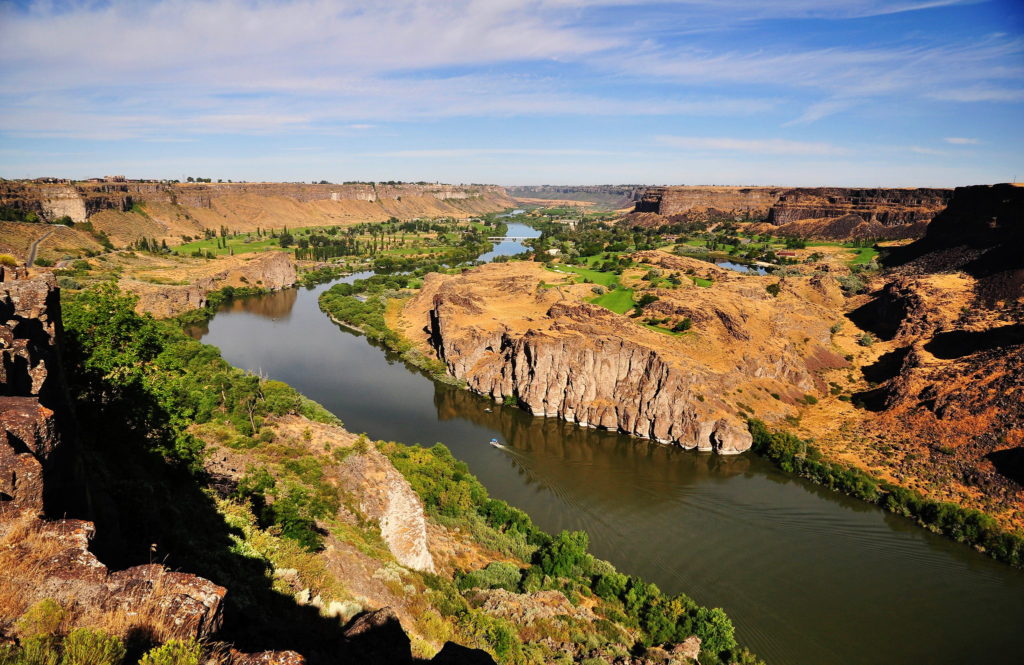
790 92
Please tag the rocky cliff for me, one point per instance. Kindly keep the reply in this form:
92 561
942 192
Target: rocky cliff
496 328
949 367
705 202
267 270
606 196
828 212
40 558
888 207
127 211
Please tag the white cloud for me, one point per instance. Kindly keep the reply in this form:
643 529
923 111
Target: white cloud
956 140
926 151
753 146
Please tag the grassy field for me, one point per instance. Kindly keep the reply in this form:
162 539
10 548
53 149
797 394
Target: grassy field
619 301
700 281
864 255
237 244
602 278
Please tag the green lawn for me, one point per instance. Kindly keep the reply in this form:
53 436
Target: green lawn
864 255
602 278
619 301
237 244
700 281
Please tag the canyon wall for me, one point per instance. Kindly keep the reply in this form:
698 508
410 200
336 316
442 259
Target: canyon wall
608 196
889 207
748 202
827 212
129 211
81 200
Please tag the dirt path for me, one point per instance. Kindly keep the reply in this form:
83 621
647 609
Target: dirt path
35 245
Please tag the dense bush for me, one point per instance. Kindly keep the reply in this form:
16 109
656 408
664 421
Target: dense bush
965 525
89 647
174 652
154 380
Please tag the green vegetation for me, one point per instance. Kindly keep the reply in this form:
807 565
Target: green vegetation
341 303
151 377
793 455
619 301
452 495
45 641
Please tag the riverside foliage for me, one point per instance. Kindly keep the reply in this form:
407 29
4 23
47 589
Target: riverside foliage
964 525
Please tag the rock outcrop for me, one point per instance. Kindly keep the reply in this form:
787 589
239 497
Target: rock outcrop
385 496
268 270
51 559
507 337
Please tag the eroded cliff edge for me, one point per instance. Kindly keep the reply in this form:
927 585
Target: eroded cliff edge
498 328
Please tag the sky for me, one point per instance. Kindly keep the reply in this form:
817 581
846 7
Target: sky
731 92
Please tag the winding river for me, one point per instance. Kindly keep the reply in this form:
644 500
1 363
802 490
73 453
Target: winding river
808 576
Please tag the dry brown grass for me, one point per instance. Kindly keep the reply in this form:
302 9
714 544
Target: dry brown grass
26 554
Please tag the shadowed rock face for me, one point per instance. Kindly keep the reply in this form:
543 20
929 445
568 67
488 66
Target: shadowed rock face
51 559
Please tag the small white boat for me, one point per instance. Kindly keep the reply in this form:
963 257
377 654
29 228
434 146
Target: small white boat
488 410
494 442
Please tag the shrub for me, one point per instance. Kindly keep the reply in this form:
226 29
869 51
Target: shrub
683 325
8 260
89 647
43 618
39 650
44 263
867 339
174 652
852 284
497 575
773 289
810 399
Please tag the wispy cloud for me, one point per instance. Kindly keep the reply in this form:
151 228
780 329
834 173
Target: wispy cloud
754 146
957 140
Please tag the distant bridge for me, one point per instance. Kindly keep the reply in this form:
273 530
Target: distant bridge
500 238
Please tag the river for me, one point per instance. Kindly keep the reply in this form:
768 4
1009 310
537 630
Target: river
807 575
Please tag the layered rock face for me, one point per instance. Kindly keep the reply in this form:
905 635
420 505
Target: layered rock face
82 200
495 328
698 202
888 207
827 212
51 559
611 196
